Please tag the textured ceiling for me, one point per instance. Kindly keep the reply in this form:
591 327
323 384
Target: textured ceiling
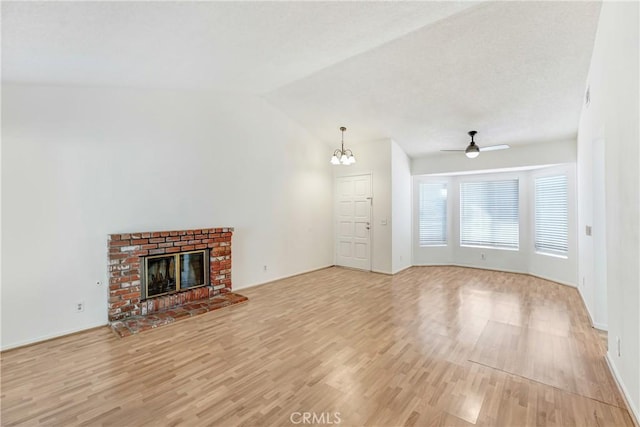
229 46
513 71
422 73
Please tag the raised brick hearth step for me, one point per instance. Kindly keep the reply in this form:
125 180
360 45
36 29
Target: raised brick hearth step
135 324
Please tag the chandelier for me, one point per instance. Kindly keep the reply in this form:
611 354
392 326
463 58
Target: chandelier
342 156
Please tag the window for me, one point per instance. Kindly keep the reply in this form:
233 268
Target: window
551 222
489 214
432 214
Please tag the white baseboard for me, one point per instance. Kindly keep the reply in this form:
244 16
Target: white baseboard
633 409
92 326
380 272
51 336
505 270
402 269
597 325
478 267
288 276
600 326
551 279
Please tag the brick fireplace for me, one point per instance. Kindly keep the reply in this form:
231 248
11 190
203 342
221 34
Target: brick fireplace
126 256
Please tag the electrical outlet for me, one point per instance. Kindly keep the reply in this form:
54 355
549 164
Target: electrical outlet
587 230
483 256
619 352
80 307
264 268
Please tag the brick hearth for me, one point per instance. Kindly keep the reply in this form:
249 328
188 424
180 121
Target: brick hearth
135 324
126 249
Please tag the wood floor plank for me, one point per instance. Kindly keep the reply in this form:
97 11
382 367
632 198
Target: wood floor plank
377 349
571 363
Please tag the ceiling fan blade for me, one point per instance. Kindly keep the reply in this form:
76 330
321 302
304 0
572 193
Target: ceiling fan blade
495 147
454 150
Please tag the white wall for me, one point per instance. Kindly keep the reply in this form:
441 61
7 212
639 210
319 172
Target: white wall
592 249
599 236
525 259
610 124
79 164
374 157
400 208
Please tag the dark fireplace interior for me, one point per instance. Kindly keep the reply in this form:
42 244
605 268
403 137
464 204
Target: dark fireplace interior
166 274
192 270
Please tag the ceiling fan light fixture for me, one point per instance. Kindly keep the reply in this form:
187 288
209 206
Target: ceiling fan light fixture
472 150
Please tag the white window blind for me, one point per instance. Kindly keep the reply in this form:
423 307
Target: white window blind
551 222
432 214
489 214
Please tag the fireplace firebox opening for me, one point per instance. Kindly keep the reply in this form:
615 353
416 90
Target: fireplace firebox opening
171 273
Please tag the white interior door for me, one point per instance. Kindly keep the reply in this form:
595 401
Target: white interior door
353 221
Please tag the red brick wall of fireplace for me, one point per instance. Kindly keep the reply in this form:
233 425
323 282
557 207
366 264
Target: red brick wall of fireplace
126 249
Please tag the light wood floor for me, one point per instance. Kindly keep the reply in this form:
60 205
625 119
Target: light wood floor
429 346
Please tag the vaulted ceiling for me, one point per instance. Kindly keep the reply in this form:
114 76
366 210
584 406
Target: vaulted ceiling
422 73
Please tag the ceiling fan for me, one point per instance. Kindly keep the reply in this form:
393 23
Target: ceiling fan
473 151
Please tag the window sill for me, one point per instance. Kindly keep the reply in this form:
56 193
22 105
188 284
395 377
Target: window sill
498 248
552 255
